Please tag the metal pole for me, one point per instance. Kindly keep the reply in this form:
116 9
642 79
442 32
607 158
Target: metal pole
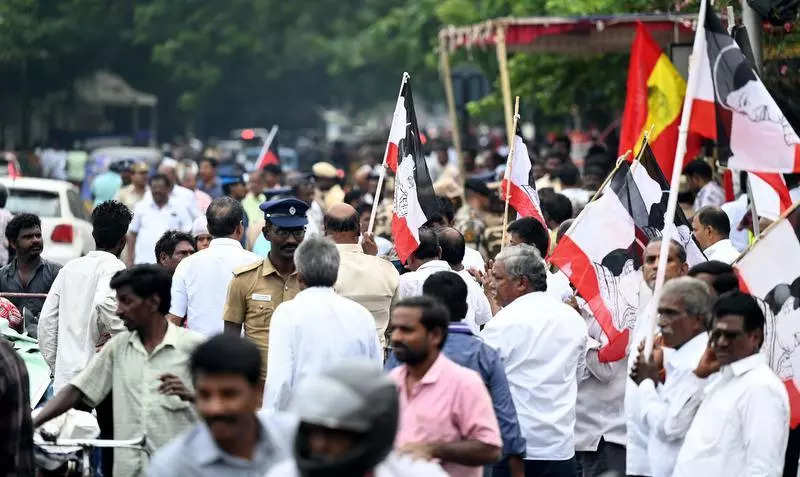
752 22
505 82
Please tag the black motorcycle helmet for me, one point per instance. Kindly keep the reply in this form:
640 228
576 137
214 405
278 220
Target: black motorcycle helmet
353 396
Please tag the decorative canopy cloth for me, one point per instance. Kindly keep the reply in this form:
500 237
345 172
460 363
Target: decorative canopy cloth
570 35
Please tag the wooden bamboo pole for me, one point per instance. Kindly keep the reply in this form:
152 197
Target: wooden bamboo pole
505 82
447 79
509 162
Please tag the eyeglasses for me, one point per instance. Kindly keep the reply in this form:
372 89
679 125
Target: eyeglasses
285 233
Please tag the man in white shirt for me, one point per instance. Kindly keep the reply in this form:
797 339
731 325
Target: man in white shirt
151 218
700 178
427 260
683 311
316 329
200 283
542 343
79 313
742 421
368 280
178 194
636 460
711 228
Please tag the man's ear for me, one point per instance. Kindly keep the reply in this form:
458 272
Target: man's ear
155 301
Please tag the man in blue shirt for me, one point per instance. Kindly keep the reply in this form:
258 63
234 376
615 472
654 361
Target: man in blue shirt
468 350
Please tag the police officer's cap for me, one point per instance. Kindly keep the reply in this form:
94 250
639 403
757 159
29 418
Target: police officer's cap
285 213
477 185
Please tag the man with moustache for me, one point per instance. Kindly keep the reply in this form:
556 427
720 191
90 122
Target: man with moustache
741 425
257 289
231 440
637 461
144 368
445 410
683 311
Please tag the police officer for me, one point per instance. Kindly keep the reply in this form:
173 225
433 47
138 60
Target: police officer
257 289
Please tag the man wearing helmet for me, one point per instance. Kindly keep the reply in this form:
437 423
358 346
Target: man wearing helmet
348 420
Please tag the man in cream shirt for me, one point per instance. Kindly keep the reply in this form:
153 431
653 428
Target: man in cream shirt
711 228
369 281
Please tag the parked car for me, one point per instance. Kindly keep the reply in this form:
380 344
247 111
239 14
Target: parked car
66 231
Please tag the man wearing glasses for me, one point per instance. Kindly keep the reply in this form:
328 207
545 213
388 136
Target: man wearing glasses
257 289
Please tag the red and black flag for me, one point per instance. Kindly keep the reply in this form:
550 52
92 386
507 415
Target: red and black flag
414 199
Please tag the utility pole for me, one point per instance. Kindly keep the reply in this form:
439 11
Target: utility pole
752 22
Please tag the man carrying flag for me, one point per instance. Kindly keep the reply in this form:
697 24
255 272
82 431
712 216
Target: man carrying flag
414 200
654 98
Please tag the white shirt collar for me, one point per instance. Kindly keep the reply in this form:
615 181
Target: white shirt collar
224 242
747 364
724 243
688 352
435 264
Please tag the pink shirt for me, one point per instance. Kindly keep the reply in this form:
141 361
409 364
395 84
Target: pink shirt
450 403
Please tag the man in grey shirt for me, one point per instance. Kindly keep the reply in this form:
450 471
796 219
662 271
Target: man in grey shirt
28 272
233 440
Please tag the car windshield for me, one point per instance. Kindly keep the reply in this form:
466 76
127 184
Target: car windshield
39 202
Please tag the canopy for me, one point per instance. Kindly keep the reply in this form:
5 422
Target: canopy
564 35
570 35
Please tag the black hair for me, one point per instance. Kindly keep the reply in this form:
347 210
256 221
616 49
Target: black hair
354 195
19 222
170 240
110 221
452 243
742 304
451 290
146 280
569 174
532 232
700 168
351 223
677 245
444 211
3 195
724 280
556 207
209 160
428 245
434 313
227 354
273 169
556 155
715 218
224 214
160 177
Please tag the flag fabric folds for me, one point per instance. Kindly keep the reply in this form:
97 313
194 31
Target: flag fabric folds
770 194
733 107
269 156
770 271
602 253
398 130
414 199
655 92
522 195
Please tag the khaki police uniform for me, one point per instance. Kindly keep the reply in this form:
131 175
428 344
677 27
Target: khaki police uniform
369 281
254 293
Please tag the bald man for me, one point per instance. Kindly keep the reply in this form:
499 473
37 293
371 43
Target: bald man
365 279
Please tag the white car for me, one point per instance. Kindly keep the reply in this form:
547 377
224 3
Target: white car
66 231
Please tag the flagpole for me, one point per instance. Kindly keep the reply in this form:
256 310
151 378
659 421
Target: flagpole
677 167
268 141
376 200
767 230
753 211
510 161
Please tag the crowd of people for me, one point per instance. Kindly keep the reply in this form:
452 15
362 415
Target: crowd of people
257 326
